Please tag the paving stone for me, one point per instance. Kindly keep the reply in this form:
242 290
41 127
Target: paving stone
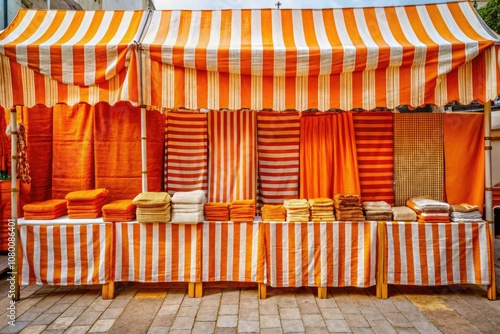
337 326
77 330
33 329
87 318
203 327
397 319
227 321
112 313
268 309
53 331
183 323
137 316
270 321
371 313
163 320
28 316
228 309
45 319
102 326
270 331
62 322
361 330
293 326
225 330
313 321
207 315
348 307
100 304
187 311
158 330
291 313
249 314
356 320
18 326
58 308
74 311
332 313
209 303
248 326
383 327
407 331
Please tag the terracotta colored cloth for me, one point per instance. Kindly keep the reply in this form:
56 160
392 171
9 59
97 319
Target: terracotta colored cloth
278 136
232 155
328 160
117 145
186 152
375 150
45 206
87 195
273 213
73 149
216 211
464 158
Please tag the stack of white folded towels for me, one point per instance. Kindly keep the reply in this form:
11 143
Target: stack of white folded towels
188 206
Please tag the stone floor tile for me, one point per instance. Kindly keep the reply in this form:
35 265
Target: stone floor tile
407 331
77 330
313 320
225 330
348 307
183 323
397 319
383 327
45 319
270 331
293 326
61 323
187 311
291 313
268 309
207 315
270 321
18 326
332 313
74 311
112 313
361 330
33 329
158 330
249 314
228 309
58 308
356 320
227 321
87 318
371 313
102 326
337 326
203 327
248 326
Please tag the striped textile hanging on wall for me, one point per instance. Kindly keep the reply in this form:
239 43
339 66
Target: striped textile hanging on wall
278 137
375 147
186 152
232 166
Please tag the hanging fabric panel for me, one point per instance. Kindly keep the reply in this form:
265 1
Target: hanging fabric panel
72 149
464 158
186 152
418 156
278 136
328 160
232 163
375 151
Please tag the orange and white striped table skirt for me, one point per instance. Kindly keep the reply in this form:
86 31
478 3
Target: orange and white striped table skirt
157 252
64 252
323 254
233 251
432 254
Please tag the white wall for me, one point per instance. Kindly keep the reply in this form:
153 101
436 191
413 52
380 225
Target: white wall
124 4
12 9
90 4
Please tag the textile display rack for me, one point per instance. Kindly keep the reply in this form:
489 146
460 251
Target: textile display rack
238 69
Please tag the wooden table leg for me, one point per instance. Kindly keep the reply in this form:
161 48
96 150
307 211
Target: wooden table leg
108 290
198 293
492 288
191 289
322 292
262 291
382 291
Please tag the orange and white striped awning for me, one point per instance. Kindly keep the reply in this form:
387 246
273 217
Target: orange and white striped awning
299 59
56 56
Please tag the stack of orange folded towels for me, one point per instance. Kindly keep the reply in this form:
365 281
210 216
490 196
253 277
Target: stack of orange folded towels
86 203
217 211
119 211
429 210
242 210
275 213
50 209
321 209
348 207
152 207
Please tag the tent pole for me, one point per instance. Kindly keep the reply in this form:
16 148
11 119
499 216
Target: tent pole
488 197
143 123
14 196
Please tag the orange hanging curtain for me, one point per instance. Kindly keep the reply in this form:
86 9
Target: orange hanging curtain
328 159
464 158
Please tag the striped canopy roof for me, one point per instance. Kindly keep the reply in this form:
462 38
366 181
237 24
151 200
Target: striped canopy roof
52 56
319 58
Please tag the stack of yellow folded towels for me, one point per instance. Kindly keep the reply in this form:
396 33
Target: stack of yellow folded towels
217 211
275 213
86 203
242 210
46 210
348 207
119 211
297 210
321 209
152 207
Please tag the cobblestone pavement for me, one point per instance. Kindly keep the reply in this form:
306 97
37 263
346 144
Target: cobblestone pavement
166 308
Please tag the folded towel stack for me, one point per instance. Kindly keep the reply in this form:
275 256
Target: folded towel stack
46 210
297 210
152 207
465 213
348 207
86 203
217 211
403 214
276 213
119 211
321 209
242 210
429 210
377 210
188 206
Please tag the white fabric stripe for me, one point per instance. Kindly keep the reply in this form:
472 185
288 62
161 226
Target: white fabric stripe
257 47
37 252
230 251
471 46
420 48
345 39
404 256
469 254
323 254
474 20
152 31
218 250
102 254
89 48
235 42
156 251
18 31
396 48
391 255
77 256
142 252
361 255
483 248
371 46
23 233
205 251
168 253
64 255
50 255
256 94
311 263
285 255
298 253
442 246
416 254
255 253
242 251
112 46
429 239
192 265
279 45
300 44
167 47
131 257
213 45
348 252
118 251
192 41
336 255
326 48
272 247
90 254
182 252
455 247
28 86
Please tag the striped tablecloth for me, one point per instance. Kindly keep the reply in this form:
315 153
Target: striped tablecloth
157 252
321 254
64 253
233 252
437 253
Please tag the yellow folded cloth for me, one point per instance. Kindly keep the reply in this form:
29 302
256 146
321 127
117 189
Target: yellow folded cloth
151 199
